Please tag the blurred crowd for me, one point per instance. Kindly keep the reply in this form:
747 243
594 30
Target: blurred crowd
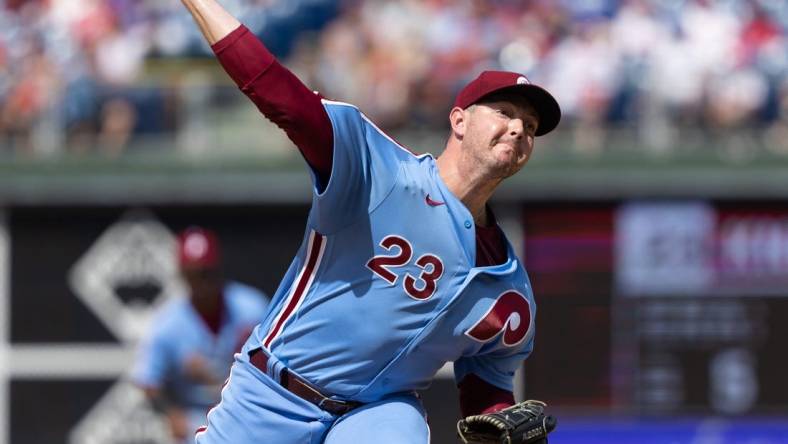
70 70
650 65
73 72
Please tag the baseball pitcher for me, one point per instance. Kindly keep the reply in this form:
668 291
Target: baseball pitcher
402 268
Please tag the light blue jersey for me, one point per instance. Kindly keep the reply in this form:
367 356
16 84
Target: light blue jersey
178 334
382 293
384 289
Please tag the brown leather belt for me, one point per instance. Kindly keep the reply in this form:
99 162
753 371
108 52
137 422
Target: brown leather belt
301 388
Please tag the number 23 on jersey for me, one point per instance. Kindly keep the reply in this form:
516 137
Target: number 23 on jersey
400 253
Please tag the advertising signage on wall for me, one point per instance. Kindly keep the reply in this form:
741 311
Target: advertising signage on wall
671 306
700 248
710 284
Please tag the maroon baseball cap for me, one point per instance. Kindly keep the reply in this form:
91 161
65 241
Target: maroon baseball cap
505 82
198 248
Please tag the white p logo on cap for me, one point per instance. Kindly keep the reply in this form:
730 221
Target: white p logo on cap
522 80
196 245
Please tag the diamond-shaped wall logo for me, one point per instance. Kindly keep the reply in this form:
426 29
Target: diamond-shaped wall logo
127 274
122 416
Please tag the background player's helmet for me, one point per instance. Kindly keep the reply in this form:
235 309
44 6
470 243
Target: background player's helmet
198 248
490 82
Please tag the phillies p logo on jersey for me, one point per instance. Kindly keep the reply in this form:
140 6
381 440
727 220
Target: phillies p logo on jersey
510 314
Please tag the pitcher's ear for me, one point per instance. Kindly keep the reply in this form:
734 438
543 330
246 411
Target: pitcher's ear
458 118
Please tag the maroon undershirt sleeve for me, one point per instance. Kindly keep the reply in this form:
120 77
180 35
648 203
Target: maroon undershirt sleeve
280 96
478 397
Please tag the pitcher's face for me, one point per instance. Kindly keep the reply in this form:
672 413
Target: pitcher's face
499 135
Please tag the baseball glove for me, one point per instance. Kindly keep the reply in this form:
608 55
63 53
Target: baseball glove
522 423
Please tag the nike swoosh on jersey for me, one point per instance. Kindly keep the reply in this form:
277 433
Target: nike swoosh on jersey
433 203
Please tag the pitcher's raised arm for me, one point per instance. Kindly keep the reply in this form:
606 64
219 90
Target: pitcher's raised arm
214 21
274 89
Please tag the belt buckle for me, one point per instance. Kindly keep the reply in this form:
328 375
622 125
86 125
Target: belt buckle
322 403
337 407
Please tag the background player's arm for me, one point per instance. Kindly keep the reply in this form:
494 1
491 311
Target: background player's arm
176 417
214 21
153 363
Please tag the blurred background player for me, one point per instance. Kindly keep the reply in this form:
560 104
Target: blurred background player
186 356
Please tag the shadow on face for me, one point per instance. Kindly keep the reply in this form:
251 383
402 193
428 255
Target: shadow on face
524 109
205 284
